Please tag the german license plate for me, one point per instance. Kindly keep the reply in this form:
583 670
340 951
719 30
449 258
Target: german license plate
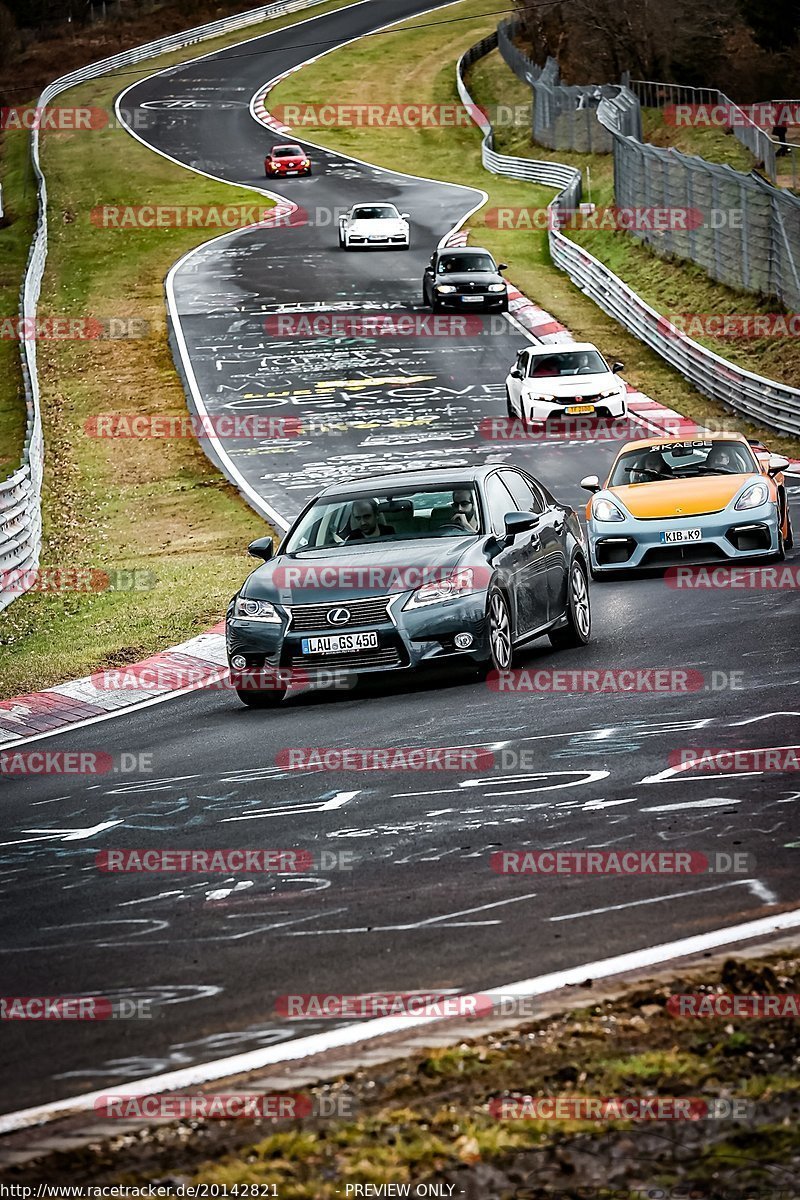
472 299
340 643
292 172
580 408
668 536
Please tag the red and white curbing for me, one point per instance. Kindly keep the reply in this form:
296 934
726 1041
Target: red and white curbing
197 663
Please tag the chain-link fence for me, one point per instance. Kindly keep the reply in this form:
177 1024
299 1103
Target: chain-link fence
565 117
708 108
742 231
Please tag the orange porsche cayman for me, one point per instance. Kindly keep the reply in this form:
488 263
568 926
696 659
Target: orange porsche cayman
709 499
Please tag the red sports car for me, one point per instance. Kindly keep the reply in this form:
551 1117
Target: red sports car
286 160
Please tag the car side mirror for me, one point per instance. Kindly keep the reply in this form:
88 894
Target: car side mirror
776 464
515 373
406 216
502 266
590 483
520 522
262 548
617 367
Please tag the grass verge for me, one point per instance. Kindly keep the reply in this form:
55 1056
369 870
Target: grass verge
157 507
16 231
428 1119
420 66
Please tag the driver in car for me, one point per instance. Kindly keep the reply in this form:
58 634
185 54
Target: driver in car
651 467
365 518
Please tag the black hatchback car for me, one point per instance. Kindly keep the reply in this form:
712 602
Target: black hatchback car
399 571
464 279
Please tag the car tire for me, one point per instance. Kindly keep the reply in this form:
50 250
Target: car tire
252 698
503 307
788 541
509 407
578 629
501 636
436 304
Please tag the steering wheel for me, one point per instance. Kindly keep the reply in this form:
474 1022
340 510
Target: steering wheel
451 525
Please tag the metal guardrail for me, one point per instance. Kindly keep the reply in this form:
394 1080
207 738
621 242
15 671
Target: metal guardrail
20 494
565 117
764 400
533 170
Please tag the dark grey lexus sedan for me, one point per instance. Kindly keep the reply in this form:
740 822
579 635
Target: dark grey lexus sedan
398 571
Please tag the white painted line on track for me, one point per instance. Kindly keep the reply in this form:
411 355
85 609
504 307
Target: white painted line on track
350 1035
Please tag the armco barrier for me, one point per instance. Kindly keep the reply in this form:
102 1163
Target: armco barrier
20 494
764 400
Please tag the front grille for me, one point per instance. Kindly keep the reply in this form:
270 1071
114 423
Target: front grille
665 556
578 399
386 657
371 611
474 288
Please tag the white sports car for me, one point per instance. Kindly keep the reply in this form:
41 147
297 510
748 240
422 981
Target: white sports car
564 380
374 225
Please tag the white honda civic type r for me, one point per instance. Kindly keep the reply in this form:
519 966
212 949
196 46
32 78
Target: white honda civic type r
564 380
374 225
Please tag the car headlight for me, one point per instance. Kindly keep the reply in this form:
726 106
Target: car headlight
445 288
753 497
605 510
256 610
453 587
615 391
305 163
497 287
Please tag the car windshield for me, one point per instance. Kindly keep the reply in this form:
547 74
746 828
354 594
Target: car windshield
387 516
582 362
682 460
287 152
450 263
377 212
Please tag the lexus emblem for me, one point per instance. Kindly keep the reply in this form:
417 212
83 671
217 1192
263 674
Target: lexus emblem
338 616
